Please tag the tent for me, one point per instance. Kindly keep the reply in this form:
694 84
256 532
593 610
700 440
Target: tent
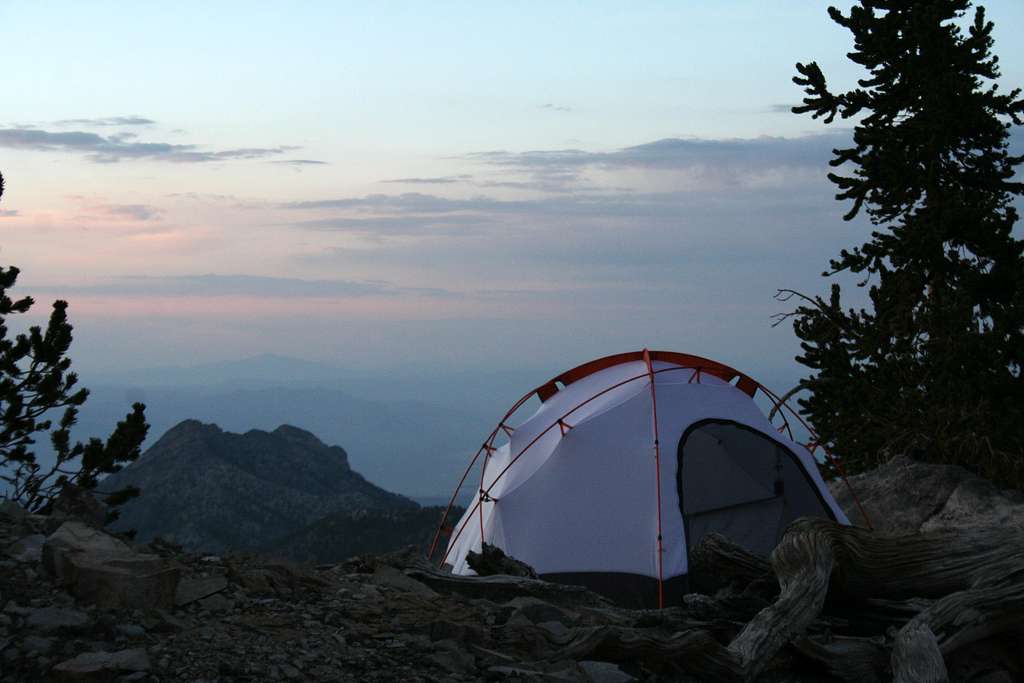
627 463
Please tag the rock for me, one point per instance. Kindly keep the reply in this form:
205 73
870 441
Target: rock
160 621
978 503
556 629
100 569
54 619
898 496
75 537
130 630
37 645
101 666
27 549
217 603
505 588
192 589
604 672
452 657
395 578
530 674
906 496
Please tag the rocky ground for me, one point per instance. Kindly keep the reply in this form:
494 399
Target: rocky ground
246 618
81 605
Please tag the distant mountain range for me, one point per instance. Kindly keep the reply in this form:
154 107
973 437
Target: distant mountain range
412 433
282 492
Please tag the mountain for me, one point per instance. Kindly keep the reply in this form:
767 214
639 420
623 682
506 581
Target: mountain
213 490
410 431
404 445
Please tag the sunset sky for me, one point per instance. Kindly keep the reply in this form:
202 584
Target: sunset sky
422 184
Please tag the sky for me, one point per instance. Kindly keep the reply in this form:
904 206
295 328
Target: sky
423 185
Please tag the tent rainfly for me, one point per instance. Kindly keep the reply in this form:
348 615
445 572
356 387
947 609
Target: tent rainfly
628 462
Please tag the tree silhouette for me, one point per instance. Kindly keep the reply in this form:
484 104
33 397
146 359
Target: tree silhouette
35 385
933 368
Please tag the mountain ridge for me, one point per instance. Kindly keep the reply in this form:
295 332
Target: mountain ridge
212 490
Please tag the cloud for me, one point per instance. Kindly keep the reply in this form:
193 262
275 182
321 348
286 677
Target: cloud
781 108
8 213
381 226
108 121
711 161
678 153
546 182
554 107
300 162
117 148
602 227
213 285
405 202
137 212
437 180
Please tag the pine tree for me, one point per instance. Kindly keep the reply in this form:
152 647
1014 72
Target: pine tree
36 385
933 366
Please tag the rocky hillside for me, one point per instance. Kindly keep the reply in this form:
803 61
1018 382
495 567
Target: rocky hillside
212 490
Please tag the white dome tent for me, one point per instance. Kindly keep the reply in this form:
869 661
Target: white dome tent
628 462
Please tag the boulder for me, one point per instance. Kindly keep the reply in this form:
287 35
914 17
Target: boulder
101 666
98 568
56 619
978 503
28 549
604 672
395 578
192 589
906 496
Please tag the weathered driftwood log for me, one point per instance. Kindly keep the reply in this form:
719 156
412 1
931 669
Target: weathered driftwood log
695 651
492 560
857 660
718 563
977 577
945 590
803 563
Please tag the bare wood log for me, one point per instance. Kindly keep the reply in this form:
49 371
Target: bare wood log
694 652
962 618
954 588
977 576
857 660
717 562
916 565
803 564
983 570
916 657
492 561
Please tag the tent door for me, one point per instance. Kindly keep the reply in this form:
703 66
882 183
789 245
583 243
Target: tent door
735 481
